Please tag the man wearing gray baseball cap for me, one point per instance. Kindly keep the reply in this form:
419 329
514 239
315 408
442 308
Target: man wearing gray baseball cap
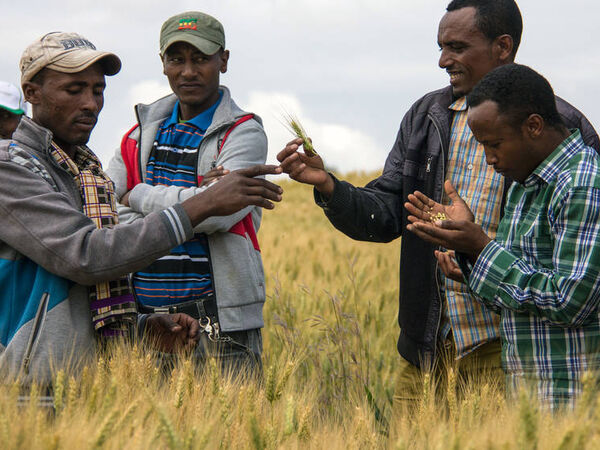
63 255
67 53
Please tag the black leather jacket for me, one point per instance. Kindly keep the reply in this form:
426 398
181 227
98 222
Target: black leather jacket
375 213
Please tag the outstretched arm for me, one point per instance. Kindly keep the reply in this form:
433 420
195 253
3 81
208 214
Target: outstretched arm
43 224
245 147
371 213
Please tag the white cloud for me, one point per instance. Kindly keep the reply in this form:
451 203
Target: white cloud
147 91
341 147
355 65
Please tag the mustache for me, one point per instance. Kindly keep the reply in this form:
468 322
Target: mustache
86 117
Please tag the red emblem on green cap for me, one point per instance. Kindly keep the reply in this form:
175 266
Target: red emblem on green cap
188 24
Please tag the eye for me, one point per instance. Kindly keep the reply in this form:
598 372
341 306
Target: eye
174 59
453 47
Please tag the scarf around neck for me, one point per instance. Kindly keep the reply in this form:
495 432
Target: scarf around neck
113 307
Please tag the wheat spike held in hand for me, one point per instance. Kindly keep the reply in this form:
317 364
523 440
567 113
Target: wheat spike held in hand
295 127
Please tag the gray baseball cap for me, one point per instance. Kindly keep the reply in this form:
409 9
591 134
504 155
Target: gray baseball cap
65 52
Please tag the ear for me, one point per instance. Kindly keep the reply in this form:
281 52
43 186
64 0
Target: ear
162 61
32 92
503 47
534 125
224 59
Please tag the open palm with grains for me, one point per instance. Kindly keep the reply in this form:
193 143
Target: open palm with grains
449 226
424 209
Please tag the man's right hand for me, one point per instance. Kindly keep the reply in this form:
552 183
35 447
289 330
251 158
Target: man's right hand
234 192
305 169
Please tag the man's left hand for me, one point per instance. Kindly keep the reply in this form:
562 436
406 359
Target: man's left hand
125 199
213 175
172 332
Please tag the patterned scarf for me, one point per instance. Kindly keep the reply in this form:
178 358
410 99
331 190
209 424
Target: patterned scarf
112 305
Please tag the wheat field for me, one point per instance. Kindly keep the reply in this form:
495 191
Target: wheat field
329 364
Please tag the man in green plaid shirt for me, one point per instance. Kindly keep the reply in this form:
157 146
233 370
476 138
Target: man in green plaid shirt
542 272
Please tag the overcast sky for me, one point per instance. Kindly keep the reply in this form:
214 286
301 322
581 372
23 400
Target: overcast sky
349 69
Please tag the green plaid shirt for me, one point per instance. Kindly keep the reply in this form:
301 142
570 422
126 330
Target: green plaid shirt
543 274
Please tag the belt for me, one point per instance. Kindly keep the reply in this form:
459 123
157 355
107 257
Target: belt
203 309
198 309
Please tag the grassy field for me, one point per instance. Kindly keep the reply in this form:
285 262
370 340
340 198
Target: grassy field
329 364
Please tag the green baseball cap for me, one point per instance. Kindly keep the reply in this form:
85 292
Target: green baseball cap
198 29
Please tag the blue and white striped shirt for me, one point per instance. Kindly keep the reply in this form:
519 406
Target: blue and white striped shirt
185 274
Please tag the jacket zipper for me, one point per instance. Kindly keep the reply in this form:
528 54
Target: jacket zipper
35 331
224 126
210 261
437 265
139 144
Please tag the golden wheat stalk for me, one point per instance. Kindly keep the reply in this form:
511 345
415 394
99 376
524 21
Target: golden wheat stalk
292 123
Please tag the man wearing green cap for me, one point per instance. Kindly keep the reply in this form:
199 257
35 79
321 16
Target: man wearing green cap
63 261
181 143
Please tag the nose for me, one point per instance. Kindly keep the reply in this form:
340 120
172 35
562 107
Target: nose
91 101
444 61
490 157
188 70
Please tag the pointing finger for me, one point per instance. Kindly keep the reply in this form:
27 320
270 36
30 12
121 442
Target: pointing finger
259 170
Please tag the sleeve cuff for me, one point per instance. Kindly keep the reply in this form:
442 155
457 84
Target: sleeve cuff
338 199
178 224
490 270
465 266
137 195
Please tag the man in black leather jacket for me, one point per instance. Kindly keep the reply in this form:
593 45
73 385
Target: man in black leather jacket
474 36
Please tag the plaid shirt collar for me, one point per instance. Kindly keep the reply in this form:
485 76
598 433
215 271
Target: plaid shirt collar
555 162
83 158
459 105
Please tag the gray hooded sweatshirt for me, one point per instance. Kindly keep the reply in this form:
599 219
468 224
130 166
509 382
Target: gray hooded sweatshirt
50 253
237 265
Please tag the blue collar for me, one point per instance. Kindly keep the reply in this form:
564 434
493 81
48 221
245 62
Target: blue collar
201 121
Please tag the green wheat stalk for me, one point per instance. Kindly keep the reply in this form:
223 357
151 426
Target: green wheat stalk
292 123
